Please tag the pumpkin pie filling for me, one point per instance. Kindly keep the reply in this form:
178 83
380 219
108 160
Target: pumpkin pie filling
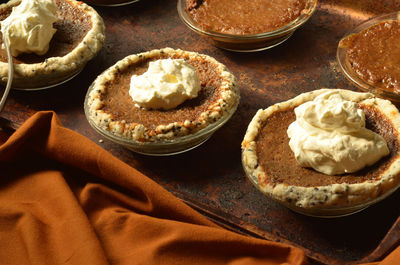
241 17
118 102
281 166
374 54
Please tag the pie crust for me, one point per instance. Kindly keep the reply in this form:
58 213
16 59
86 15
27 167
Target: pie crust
223 104
54 70
329 199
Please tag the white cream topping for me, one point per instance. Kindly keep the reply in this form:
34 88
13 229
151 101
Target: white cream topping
329 135
29 27
166 84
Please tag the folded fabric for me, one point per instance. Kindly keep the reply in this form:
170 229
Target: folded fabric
65 200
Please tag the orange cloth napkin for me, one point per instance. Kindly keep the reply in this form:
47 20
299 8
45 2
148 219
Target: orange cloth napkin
65 200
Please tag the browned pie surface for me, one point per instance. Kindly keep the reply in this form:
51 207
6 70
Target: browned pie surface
119 103
374 54
280 165
244 16
72 26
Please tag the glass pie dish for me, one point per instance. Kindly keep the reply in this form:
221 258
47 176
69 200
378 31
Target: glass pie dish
46 85
374 75
75 42
165 147
247 42
326 212
271 167
112 113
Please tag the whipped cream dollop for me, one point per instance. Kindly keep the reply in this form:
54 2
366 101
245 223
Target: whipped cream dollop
29 27
166 84
329 135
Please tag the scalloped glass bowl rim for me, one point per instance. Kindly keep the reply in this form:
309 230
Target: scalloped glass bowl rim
288 28
188 142
348 71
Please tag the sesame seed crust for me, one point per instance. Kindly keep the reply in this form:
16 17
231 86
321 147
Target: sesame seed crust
332 199
228 99
54 70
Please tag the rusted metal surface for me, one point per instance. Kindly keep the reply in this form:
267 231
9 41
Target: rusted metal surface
210 177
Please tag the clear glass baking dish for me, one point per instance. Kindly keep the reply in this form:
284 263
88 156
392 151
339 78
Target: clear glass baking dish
346 198
346 67
162 147
247 43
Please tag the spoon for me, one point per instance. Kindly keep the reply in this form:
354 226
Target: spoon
10 73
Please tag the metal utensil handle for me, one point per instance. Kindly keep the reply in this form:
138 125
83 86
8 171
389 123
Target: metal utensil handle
10 73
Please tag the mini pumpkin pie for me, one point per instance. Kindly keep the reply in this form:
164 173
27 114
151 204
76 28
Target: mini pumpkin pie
112 112
240 17
271 165
245 26
80 35
370 54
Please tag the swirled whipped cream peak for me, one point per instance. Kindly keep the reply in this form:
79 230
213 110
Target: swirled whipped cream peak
166 84
29 27
329 135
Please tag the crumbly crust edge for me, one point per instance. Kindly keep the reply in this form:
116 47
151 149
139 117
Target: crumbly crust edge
58 68
228 101
335 196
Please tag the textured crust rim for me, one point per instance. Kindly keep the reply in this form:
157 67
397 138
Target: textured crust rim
335 196
228 100
56 69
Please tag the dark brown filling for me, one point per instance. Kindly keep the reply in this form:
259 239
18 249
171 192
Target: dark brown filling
119 103
280 165
374 55
243 17
72 26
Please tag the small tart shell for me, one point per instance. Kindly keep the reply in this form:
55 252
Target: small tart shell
227 101
328 200
54 70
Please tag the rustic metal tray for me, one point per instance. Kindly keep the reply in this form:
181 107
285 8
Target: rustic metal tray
210 178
